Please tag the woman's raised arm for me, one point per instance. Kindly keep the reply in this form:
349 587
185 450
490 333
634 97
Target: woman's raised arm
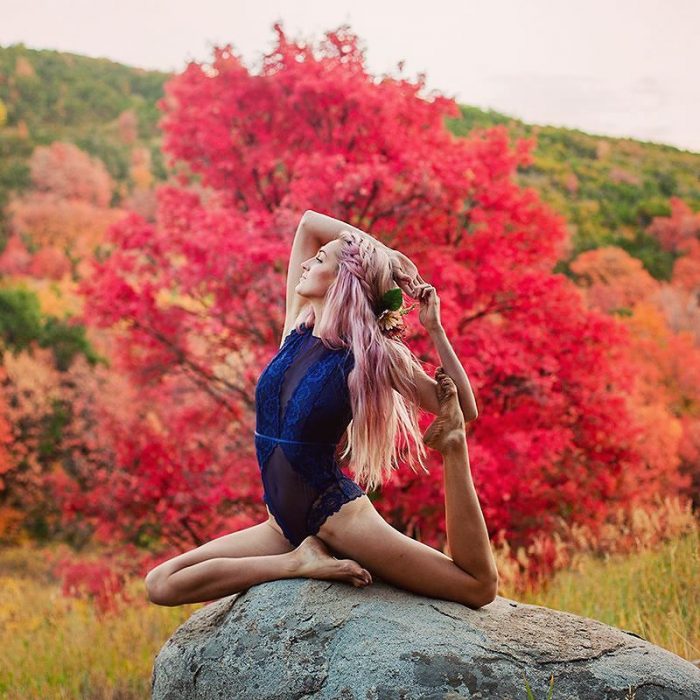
325 228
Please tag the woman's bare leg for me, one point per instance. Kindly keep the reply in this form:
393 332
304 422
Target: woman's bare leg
467 535
469 576
242 559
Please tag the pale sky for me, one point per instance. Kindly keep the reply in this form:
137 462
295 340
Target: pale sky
609 67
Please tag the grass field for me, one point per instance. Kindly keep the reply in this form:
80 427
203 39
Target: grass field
56 647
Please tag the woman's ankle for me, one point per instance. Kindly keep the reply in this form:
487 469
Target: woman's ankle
455 445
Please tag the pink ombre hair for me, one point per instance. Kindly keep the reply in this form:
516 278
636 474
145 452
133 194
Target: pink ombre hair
379 413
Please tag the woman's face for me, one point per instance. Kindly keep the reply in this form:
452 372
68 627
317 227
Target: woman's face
320 271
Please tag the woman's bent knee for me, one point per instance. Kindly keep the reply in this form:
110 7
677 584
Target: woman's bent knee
156 588
482 594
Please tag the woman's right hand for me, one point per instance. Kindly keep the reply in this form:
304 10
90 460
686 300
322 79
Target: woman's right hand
406 274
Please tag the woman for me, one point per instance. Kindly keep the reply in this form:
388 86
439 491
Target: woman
341 371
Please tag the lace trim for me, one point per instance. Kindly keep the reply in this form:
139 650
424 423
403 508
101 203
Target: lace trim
330 501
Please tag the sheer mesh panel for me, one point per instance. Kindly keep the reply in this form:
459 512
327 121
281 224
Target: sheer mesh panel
288 496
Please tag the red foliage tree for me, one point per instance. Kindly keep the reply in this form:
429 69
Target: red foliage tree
198 299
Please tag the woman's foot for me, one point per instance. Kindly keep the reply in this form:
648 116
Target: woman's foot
316 561
447 430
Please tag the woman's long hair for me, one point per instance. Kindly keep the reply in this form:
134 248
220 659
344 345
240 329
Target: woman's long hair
380 414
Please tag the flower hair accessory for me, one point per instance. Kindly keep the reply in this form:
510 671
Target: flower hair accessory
391 312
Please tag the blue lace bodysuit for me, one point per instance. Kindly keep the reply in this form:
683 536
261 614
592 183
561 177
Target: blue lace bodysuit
302 408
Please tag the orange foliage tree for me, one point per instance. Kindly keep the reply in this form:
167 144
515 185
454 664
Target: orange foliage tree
666 391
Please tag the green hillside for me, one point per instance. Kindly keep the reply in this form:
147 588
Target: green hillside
622 183
609 189
64 96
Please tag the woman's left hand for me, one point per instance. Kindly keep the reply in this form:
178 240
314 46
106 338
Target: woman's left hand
429 314
405 273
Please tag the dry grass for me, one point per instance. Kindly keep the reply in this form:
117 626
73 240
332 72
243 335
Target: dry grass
655 594
56 647
632 577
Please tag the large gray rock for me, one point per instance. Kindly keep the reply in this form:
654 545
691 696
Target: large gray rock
303 638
